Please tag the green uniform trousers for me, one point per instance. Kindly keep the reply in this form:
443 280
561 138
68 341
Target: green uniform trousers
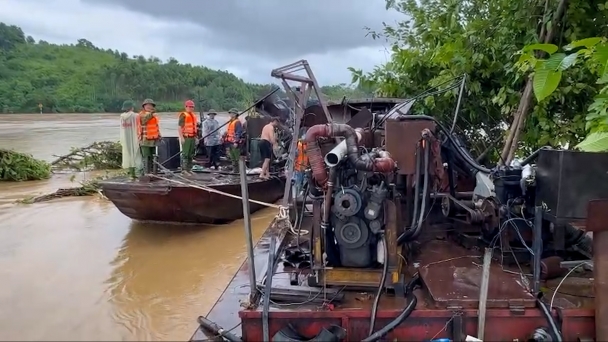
147 153
188 152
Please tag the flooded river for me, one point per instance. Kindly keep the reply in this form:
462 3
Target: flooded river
78 269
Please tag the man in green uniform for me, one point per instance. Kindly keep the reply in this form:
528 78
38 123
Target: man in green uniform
149 134
187 131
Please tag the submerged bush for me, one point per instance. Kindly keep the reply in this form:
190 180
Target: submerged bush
16 167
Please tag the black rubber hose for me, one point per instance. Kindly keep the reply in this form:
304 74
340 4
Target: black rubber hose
372 321
557 335
534 155
425 191
416 227
463 153
402 316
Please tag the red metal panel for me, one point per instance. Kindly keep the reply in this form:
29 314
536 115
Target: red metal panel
422 325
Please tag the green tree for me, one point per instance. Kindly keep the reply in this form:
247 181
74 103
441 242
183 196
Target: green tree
444 39
83 78
548 73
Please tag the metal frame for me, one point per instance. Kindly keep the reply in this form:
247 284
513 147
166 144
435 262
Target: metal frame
299 96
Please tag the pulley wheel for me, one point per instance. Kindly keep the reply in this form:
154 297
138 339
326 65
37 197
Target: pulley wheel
347 202
352 234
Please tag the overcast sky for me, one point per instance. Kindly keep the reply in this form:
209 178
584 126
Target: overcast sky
246 37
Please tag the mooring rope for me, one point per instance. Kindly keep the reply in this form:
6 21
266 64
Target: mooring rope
283 213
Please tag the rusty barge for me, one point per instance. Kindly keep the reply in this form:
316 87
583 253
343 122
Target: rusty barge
404 236
204 196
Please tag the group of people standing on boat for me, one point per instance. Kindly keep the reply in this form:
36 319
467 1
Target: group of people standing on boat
140 135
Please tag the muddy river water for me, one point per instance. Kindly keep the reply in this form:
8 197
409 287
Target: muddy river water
78 269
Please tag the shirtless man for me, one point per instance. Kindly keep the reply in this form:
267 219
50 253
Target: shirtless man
267 142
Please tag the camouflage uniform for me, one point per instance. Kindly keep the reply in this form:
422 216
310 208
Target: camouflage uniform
148 146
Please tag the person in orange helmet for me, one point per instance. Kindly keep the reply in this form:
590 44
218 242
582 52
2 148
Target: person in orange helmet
187 132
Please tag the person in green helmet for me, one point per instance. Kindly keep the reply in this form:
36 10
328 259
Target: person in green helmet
149 134
233 137
131 155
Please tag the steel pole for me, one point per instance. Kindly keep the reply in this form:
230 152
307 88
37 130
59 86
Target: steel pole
247 225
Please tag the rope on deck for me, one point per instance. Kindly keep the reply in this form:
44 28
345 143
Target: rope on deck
282 215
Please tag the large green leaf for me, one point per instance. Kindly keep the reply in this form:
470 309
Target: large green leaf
548 48
554 61
545 82
587 42
594 142
568 61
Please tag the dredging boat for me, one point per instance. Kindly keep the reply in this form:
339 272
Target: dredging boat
404 236
204 196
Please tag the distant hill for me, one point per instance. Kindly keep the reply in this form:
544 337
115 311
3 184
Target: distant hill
86 79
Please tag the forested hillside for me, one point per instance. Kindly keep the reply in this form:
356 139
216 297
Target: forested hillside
84 78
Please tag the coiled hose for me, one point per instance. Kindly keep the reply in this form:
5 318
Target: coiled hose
402 316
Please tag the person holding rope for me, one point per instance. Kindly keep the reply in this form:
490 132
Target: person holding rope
149 134
187 135
212 140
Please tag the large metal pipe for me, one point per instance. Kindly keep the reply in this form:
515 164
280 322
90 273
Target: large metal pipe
335 156
313 150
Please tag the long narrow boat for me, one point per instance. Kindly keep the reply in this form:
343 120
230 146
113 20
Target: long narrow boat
187 199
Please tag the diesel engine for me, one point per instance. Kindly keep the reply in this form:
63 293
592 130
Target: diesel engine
355 189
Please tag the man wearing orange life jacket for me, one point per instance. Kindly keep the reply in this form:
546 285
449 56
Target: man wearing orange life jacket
234 132
149 134
300 165
187 131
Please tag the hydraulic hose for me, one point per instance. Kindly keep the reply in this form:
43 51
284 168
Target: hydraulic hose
402 316
459 149
534 155
550 320
416 227
372 321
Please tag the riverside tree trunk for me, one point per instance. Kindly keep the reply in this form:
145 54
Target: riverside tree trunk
519 118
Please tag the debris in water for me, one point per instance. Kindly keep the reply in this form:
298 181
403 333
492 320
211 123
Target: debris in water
104 155
17 167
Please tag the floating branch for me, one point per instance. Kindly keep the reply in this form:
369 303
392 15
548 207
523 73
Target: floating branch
104 155
86 188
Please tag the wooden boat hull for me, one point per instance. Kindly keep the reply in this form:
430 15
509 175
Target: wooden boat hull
164 201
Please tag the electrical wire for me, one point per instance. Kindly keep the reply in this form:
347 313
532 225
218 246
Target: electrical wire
424 94
561 282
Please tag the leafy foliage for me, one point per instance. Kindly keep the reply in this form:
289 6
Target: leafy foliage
84 78
589 53
442 39
15 166
104 155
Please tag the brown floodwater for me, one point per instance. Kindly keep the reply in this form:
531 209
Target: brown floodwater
78 269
